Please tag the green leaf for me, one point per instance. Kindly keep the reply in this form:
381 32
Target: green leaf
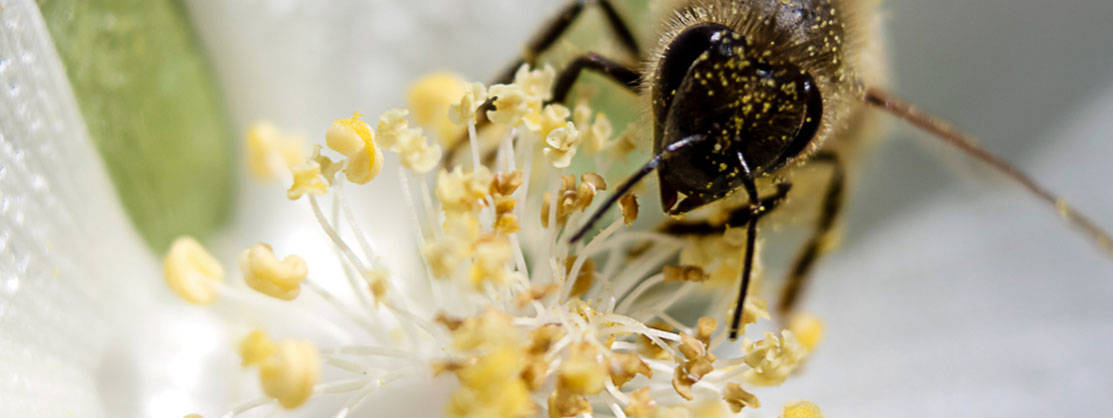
153 108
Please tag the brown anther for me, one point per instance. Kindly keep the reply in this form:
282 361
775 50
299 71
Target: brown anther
595 180
505 184
649 349
541 339
546 206
698 368
451 323
507 224
584 278
534 373
693 274
704 328
698 364
682 384
440 367
585 193
564 404
737 398
624 366
690 347
641 405
505 204
567 183
628 204
536 293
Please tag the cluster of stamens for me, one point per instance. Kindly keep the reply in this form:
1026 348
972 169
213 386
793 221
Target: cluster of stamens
526 322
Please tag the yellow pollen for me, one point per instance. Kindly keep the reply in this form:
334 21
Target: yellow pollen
267 275
191 271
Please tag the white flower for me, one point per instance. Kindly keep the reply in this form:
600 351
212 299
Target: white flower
62 275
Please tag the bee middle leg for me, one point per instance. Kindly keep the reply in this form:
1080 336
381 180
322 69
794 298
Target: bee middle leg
547 37
620 73
542 42
562 86
817 242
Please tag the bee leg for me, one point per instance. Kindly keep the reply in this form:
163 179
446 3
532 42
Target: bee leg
620 73
738 216
565 80
540 43
545 39
751 241
817 243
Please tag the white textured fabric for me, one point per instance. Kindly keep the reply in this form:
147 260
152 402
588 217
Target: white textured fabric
69 263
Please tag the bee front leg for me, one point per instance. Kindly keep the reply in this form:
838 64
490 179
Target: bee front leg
737 216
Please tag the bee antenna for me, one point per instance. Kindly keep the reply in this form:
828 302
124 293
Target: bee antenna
633 180
951 135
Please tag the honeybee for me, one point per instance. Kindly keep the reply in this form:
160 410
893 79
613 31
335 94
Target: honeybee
743 93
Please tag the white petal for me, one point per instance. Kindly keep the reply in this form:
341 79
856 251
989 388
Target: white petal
71 267
980 303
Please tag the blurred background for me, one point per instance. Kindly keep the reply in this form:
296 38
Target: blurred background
953 294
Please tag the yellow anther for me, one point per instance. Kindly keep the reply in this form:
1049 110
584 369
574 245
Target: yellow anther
307 179
348 136
754 309
256 347
512 105
392 125
395 134
329 168
772 359
492 258
641 405
536 84
377 283
191 271
290 372
353 138
430 99
464 111
560 145
269 150
598 135
444 255
364 165
419 155
264 273
463 192
552 117
492 387
490 329
583 373
801 409
807 328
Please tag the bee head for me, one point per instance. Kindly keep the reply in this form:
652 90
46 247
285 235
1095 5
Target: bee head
755 113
